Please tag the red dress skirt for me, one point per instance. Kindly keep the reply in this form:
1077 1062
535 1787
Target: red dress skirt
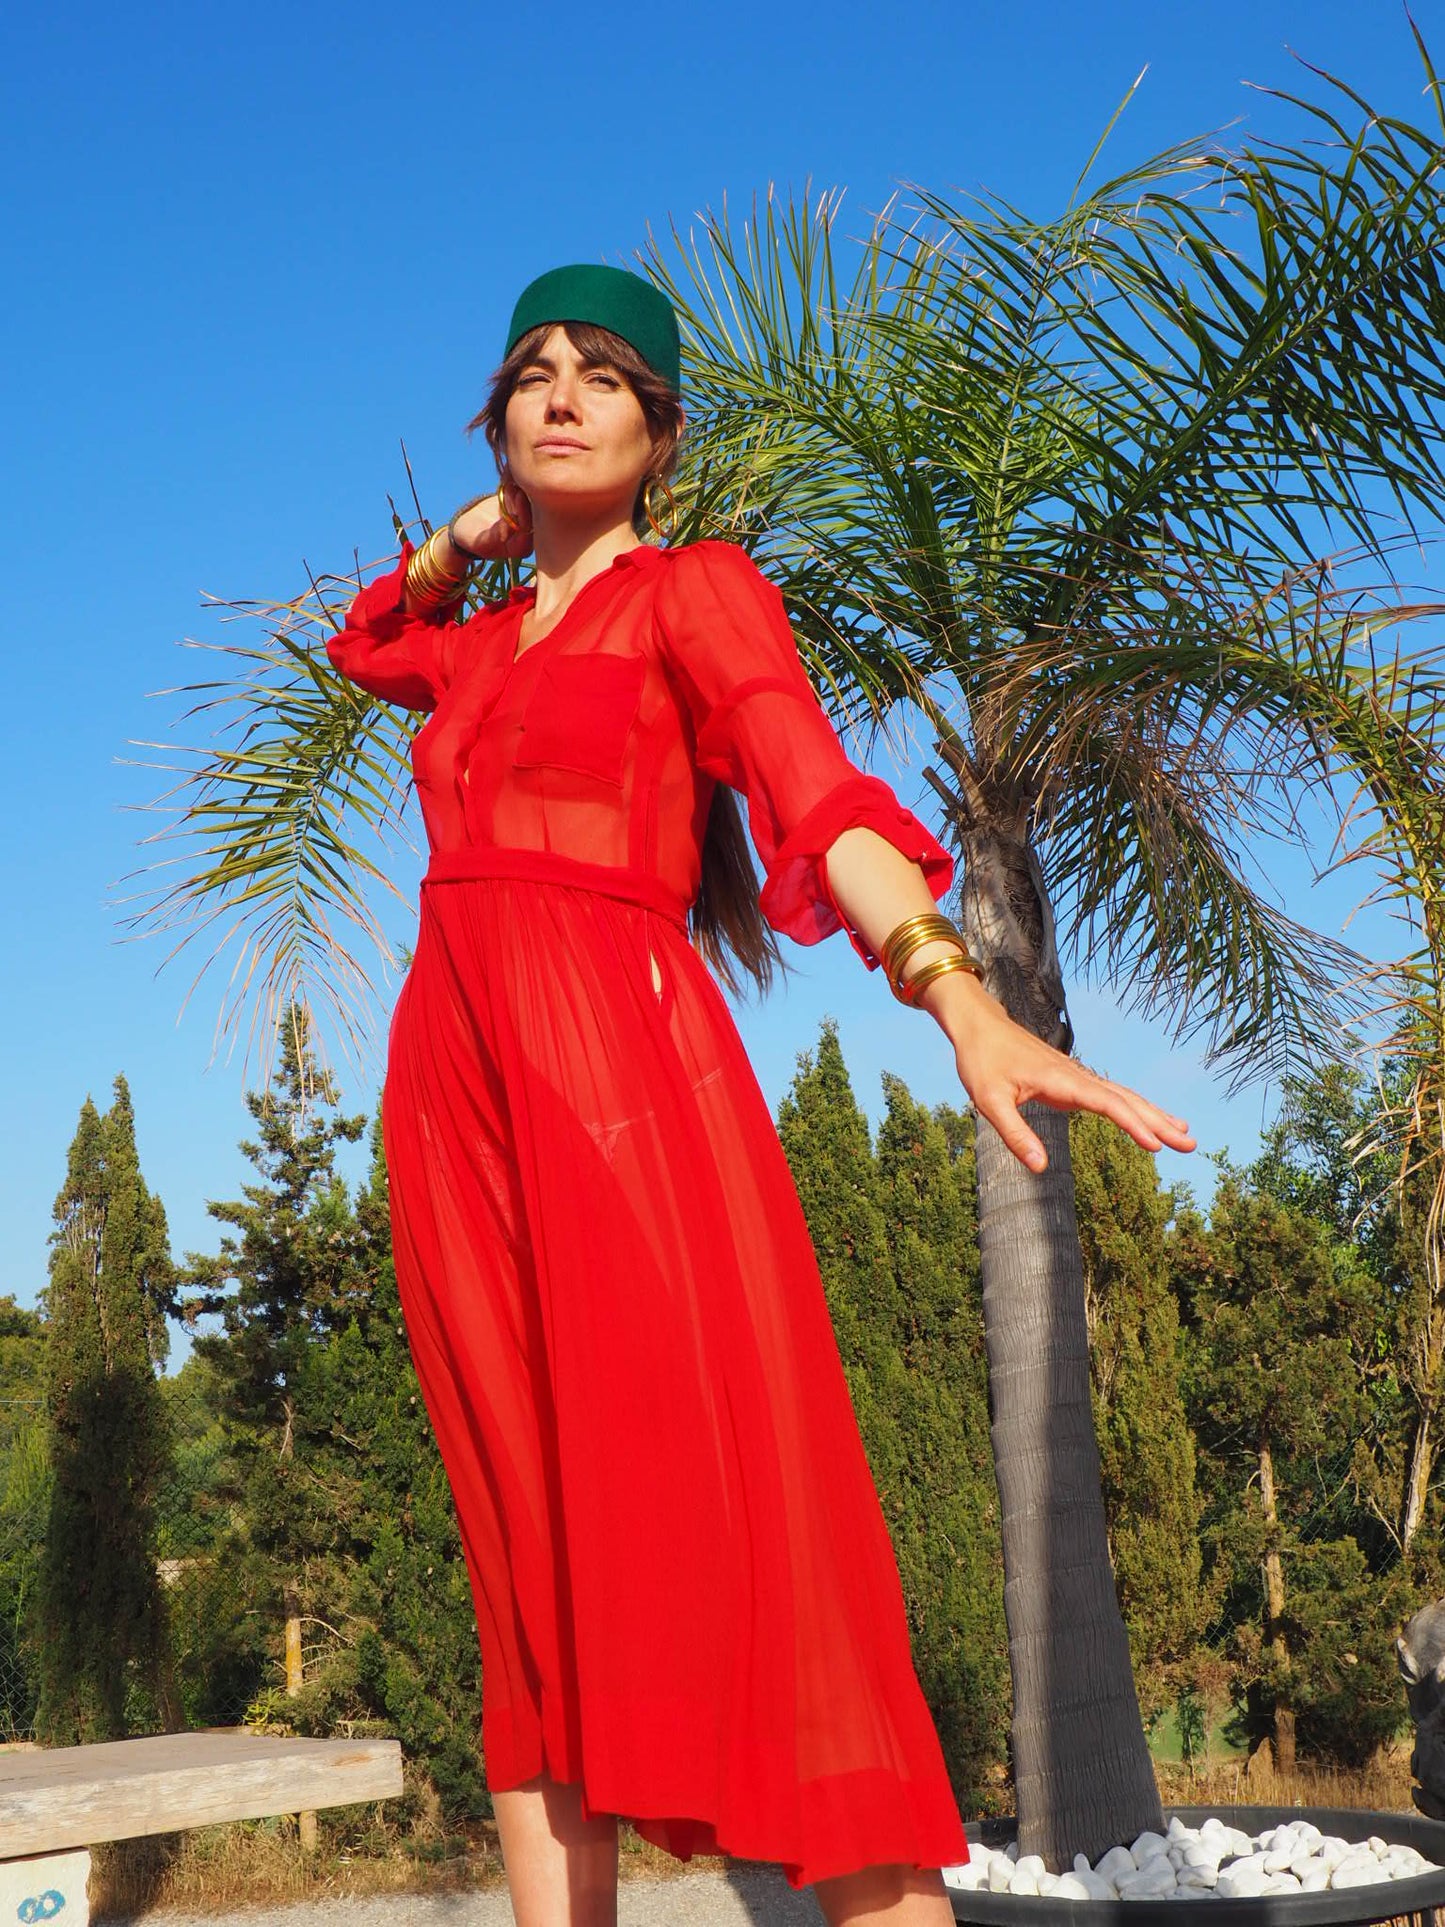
687 1599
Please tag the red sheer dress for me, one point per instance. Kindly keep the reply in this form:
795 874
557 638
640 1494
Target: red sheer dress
686 1594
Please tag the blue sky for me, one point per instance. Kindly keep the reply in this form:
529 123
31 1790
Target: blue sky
251 250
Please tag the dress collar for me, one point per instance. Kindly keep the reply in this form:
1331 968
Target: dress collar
643 556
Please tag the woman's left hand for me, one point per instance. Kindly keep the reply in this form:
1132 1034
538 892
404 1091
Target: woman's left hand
1002 1065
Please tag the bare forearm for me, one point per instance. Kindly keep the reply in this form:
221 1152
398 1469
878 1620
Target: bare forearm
1000 1064
878 887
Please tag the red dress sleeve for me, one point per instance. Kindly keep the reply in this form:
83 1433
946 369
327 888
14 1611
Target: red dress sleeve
402 658
760 728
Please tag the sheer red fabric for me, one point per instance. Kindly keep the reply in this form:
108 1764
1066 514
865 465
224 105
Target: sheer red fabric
687 1598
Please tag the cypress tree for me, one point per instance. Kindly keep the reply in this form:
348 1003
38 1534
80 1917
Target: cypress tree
103 1659
1146 1447
886 1292
829 1148
24 1503
946 1527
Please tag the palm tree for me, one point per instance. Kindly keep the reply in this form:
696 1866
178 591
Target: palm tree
1098 496
1098 472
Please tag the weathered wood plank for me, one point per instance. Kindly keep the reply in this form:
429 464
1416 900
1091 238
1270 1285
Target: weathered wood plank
78 1796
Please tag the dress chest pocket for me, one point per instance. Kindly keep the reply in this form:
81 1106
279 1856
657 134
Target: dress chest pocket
580 715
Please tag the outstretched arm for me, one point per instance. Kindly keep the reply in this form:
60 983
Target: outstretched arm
1001 1064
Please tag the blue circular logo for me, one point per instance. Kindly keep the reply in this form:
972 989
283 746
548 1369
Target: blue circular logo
41 1906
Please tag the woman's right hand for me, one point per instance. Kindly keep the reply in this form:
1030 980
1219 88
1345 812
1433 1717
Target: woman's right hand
487 536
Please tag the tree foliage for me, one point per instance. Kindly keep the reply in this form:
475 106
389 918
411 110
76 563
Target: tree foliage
103 1647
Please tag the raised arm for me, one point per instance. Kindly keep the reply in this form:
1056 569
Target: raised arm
838 847
401 634
389 648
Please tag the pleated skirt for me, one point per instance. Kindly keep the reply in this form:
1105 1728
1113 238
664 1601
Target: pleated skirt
687 1600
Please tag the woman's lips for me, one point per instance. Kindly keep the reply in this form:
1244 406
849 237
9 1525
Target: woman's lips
561 448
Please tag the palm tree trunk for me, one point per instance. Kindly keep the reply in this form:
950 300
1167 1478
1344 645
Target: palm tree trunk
1083 1778
1274 1615
1082 1773
1417 1479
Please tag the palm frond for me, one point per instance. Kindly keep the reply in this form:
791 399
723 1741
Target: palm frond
260 856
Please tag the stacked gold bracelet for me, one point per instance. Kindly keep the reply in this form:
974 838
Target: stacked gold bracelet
432 583
910 935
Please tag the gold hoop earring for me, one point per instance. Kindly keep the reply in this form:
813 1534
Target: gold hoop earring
503 478
656 481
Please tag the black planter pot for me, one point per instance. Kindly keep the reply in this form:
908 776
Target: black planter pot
1386 1900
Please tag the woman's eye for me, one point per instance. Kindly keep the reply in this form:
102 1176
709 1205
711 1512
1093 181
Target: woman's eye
529 381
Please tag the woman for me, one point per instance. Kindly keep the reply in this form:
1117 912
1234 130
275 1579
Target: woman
687 1600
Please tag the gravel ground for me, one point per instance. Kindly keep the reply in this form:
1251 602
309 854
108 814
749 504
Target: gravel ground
736 1898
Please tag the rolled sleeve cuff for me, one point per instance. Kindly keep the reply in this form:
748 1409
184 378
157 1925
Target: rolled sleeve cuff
797 898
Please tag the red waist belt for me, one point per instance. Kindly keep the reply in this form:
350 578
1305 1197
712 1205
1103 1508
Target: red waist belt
550 866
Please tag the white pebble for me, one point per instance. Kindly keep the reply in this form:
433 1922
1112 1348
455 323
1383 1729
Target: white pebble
965 1878
1213 1860
1151 1882
1357 1873
1407 1862
1202 1877
1116 1861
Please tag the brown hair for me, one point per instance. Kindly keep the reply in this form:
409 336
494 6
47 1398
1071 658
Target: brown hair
726 916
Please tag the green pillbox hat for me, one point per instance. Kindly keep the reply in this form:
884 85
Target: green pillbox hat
610 297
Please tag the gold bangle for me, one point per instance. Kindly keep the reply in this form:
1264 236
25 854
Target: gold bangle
428 581
421 569
919 981
910 935
442 573
906 936
427 598
913 933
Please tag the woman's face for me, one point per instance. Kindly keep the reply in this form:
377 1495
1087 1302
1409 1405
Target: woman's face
576 438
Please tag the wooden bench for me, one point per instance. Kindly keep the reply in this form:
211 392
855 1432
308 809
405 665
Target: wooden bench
58 1802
